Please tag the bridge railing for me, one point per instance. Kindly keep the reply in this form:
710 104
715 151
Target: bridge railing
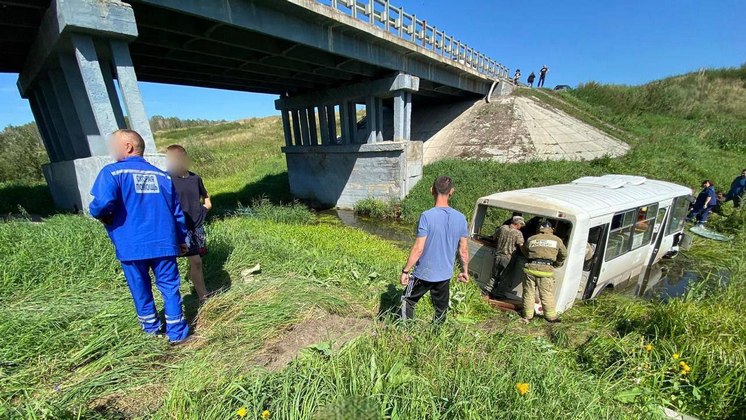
407 26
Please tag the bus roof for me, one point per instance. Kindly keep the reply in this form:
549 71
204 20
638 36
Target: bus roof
592 196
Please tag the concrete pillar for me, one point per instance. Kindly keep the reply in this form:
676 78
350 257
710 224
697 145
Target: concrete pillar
95 88
54 120
83 110
352 121
131 93
47 135
402 115
324 126
116 106
313 135
305 133
295 114
75 133
379 119
286 128
371 116
331 117
344 122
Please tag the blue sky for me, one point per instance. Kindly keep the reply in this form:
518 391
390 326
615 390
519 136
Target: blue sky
625 42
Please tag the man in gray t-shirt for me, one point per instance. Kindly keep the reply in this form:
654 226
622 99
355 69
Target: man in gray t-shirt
441 232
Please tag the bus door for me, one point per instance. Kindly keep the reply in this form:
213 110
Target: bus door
597 237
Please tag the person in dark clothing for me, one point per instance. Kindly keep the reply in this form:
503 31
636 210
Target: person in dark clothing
737 190
703 205
542 75
442 232
517 77
531 78
195 201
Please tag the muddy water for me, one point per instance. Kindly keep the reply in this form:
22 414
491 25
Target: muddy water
400 233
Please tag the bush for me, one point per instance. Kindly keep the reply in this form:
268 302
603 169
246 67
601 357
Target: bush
263 209
23 153
378 209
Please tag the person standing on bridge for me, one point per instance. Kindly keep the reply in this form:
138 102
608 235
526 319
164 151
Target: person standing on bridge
544 252
441 233
530 80
137 204
542 75
517 77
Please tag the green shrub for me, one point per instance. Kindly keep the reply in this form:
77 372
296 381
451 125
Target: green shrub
378 209
22 154
263 209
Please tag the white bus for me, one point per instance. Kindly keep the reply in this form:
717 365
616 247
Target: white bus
630 223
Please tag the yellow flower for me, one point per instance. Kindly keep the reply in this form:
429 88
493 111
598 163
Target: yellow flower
522 388
648 347
265 414
646 365
675 356
241 412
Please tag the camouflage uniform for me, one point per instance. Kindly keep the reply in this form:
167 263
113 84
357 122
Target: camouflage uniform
506 241
544 251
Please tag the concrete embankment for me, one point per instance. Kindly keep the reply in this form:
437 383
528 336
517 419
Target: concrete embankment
510 129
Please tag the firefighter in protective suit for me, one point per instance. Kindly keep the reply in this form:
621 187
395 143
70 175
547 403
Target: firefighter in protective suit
544 252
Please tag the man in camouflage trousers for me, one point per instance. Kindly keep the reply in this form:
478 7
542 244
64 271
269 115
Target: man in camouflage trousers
544 252
508 238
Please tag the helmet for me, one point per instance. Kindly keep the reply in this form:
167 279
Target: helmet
546 225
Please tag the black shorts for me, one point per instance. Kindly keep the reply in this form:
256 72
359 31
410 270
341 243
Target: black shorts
196 240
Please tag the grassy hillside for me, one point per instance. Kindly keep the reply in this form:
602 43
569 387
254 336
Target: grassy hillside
70 346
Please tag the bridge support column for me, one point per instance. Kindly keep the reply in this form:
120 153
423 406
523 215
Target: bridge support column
340 171
80 52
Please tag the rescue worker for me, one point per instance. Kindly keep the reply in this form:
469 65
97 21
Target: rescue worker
508 238
137 204
737 190
705 202
544 252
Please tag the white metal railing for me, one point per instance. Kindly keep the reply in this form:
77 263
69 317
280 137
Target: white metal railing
396 21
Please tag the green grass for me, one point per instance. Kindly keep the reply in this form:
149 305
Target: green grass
70 346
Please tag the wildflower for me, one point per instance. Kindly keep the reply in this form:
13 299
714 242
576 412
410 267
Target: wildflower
685 369
648 347
241 412
409 339
522 388
265 414
676 356
646 365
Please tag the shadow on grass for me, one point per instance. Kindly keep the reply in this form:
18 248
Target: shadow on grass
389 305
217 280
275 188
31 198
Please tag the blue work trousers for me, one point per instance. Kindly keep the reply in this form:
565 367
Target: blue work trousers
167 280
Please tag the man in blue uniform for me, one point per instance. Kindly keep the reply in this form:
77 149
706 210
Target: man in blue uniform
737 190
137 204
706 201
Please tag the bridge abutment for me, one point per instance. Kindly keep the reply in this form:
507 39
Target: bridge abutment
336 157
79 59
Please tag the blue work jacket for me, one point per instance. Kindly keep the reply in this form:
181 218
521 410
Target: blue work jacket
140 209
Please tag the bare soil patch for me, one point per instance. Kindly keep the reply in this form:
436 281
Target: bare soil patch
338 330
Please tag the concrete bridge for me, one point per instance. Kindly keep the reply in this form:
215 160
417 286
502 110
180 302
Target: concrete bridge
347 73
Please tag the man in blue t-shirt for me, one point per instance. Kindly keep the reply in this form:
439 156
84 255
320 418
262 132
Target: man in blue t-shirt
706 201
137 204
441 233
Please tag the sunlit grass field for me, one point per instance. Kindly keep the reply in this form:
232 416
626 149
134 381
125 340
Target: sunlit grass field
70 346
